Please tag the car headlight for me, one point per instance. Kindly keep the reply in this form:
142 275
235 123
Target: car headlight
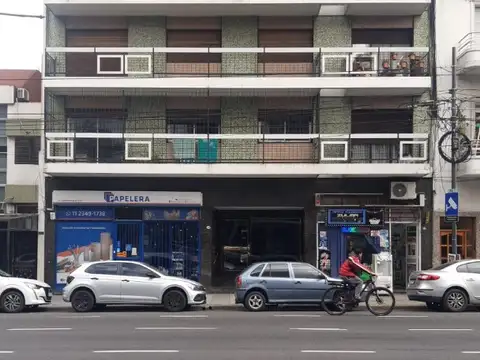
33 286
196 287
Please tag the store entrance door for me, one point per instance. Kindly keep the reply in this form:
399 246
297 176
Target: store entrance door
405 244
129 241
464 247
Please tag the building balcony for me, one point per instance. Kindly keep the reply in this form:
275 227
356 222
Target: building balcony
236 155
471 168
468 54
235 8
354 71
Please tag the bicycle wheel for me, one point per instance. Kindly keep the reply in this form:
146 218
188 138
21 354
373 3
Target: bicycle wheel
381 296
333 301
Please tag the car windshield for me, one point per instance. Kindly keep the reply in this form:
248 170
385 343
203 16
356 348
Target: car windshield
4 274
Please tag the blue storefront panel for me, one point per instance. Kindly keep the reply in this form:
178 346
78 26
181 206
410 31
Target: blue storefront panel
166 237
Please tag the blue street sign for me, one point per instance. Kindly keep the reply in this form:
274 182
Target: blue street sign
451 206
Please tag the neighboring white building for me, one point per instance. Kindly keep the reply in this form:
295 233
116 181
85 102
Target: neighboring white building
465 35
198 137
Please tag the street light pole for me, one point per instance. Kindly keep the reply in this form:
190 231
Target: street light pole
453 124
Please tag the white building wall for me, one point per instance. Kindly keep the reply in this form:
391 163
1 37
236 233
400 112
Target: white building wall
454 20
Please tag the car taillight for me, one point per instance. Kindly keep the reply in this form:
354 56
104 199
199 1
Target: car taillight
238 281
426 277
70 279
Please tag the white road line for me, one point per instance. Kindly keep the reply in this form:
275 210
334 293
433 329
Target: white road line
133 351
470 352
79 317
402 316
176 328
40 329
440 329
6 352
338 352
298 315
318 329
184 316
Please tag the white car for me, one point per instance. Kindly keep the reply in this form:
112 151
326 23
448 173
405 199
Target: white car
100 283
19 293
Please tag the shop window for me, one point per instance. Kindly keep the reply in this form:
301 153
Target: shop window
256 272
465 239
103 269
303 271
276 270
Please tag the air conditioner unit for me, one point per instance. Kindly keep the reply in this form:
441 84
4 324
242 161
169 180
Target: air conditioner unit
23 95
403 190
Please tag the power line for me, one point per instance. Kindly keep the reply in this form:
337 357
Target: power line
22 15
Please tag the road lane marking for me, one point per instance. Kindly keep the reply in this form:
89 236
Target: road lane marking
298 315
184 316
79 317
318 329
176 328
338 352
133 351
402 316
471 352
6 352
440 329
39 329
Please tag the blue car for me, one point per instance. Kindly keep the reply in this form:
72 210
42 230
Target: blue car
281 283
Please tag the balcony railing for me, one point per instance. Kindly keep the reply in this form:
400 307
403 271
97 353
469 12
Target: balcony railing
224 62
470 42
235 148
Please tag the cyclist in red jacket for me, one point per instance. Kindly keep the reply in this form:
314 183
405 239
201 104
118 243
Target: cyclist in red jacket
351 268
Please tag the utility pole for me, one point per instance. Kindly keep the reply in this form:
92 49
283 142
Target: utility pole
455 145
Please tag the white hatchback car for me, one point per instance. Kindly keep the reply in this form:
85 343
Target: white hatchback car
16 294
101 283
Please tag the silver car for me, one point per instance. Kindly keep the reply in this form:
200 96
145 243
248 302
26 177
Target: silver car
101 283
452 286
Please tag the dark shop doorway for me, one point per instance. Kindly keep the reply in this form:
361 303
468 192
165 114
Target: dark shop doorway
244 237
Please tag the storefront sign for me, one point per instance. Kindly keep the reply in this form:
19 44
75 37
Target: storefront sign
84 213
184 214
343 217
374 218
127 197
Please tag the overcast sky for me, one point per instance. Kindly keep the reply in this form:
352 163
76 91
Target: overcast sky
21 39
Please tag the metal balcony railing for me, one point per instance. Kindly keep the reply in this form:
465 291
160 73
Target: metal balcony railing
470 42
224 62
235 148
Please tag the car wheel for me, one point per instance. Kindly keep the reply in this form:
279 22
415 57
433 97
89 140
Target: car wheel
433 306
255 301
455 300
83 301
12 301
175 301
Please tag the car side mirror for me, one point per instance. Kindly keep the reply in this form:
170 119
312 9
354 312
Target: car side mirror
151 275
320 277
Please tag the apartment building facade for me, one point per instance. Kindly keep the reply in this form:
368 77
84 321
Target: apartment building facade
20 133
464 36
201 138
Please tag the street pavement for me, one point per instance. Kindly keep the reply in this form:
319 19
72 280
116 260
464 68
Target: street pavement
238 335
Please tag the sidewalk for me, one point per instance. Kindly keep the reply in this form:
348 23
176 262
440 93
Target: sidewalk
227 302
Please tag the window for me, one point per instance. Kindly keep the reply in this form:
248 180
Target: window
474 267
276 270
107 268
383 121
256 272
26 150
460 269
130 269
383 37
193 121
194 39
285 121
304 271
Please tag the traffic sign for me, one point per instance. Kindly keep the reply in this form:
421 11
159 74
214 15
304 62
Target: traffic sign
451 206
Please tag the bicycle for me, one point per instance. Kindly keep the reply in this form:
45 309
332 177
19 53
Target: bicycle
341 295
